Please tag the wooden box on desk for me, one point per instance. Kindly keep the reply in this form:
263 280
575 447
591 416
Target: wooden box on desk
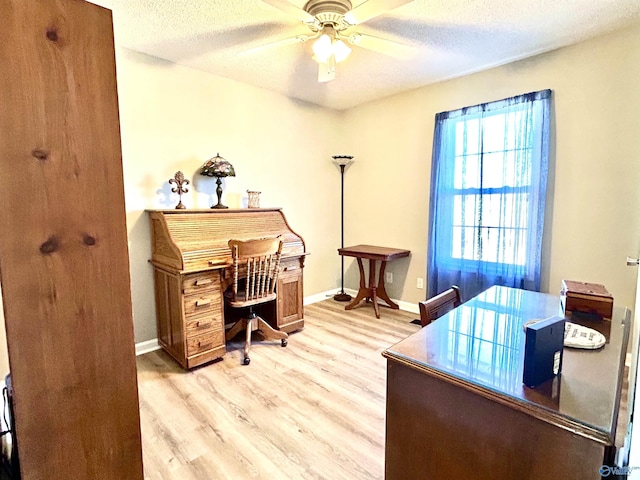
588 304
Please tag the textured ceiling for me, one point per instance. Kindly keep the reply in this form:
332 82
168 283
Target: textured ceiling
447 38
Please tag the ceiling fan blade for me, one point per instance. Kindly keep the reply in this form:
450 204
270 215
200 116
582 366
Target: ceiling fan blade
278 43
327 70
292 10
372 8
381 45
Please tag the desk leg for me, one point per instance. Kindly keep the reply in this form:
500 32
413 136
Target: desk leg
363 292
382 292
371 291
372 286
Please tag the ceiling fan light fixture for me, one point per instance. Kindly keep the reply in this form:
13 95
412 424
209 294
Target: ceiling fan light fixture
340 50
322 48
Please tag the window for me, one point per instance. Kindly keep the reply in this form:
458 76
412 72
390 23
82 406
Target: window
488 189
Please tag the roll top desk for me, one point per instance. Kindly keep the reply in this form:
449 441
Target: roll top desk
190 259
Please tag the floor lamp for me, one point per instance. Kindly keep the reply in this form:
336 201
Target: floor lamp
342 161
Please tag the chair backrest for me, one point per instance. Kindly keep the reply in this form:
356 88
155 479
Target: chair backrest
437 306
255 269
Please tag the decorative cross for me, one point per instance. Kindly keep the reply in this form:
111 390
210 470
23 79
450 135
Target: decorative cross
179 180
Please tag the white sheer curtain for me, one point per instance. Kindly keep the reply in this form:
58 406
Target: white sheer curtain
488 189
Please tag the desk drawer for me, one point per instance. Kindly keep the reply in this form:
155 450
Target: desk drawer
290 265
206 341
203 303
202 281
204 324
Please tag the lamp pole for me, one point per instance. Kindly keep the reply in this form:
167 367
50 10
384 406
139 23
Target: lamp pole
342 161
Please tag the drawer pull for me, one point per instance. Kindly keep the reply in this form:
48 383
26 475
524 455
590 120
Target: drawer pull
199 325
203 281
203 302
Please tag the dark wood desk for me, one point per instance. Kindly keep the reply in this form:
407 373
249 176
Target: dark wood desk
370 291
457 408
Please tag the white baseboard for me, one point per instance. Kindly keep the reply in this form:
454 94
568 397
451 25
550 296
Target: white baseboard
152 345
146 347
408 307
319 297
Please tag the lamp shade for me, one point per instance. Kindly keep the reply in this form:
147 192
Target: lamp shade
322 48
343 160
217 167
340 50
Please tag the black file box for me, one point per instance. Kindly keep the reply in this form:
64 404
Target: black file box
543 350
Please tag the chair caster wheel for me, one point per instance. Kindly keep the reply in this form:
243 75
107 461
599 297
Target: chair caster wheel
247 360
284 342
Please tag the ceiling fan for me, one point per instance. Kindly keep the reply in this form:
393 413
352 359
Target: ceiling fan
331 22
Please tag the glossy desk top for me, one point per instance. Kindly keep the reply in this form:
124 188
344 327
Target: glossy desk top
480 346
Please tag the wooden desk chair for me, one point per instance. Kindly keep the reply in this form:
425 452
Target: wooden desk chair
437 306
255 272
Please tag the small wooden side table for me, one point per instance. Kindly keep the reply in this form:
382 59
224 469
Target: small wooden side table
371 291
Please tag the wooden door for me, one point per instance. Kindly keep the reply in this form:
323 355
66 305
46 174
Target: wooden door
633 405
63 248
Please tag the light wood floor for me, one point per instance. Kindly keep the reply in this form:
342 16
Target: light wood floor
312 410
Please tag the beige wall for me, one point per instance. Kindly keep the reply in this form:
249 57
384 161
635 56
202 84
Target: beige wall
174 118
594 195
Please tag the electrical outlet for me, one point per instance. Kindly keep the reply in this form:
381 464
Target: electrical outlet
420 283
388 277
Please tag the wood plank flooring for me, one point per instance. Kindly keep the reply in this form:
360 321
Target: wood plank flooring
312 410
